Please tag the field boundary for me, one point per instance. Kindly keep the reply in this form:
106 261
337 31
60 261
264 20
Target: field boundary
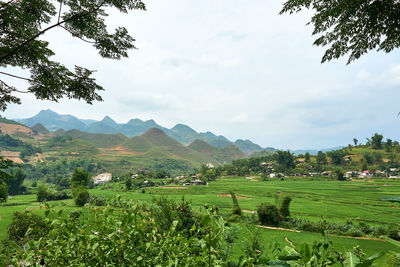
279 228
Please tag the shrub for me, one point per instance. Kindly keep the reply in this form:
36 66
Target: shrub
393 232
235 208
81 196
393 260
284 209
378 230
42 194
268 214
75 214
21 222
166 211
98 201
354 232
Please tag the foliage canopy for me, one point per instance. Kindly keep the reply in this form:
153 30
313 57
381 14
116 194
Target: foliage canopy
23 22
351 26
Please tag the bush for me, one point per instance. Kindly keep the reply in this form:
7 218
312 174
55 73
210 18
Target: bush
81 196
166 211
235 208
75 214
393 232
98 201
21 222
42 194
393 260
268 214
284 209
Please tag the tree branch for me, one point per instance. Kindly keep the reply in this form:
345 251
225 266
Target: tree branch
59 13
73 34
15 76
13 88
14 50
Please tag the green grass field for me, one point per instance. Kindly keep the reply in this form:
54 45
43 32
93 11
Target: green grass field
312 199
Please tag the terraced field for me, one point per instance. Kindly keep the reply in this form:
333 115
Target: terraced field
333 201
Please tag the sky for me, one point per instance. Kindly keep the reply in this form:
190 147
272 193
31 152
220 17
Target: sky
235 68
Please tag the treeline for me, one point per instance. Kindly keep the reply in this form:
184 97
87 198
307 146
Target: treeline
54 170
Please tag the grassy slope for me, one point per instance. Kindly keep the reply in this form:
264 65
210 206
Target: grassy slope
98 140
220 155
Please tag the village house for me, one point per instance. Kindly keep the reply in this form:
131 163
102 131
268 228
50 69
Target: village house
102 178
210 165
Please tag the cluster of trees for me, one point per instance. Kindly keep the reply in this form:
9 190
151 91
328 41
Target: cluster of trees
58 171
11 180
78 184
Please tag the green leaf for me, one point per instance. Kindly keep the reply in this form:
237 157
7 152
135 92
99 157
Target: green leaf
305 253
376 255
95 246
351 260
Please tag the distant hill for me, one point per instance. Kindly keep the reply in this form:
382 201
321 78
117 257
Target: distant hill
39 128
99 140
135 127
220 155
53 121
247 146
262 153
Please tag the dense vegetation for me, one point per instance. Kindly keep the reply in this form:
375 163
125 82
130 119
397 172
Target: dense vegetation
162 234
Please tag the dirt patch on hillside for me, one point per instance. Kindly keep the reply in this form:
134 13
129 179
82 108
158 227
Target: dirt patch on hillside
174 187
360 237
15 160
13 128
121 150
255 180
237 196
11 155
251 177
279 228
249 211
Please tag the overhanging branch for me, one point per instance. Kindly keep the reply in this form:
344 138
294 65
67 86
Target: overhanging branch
15 49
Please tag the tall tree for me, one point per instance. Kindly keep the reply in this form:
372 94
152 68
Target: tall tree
355 141
321 157
376 141
351 27
5 178
79 177
336 156
23 23
285 160
15 186
307 157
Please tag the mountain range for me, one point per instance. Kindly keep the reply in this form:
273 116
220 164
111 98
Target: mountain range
135 127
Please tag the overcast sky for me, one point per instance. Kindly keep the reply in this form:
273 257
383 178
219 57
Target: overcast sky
235 68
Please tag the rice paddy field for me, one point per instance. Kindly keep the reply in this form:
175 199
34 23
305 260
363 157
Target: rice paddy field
312 199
